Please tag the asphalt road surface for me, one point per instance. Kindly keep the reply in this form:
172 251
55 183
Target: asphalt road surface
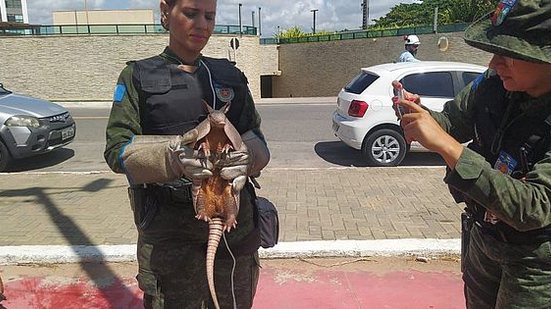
299 136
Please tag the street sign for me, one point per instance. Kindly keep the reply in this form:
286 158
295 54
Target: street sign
234 43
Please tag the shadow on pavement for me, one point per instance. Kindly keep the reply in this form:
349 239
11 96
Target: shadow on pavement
41 161
336 152
76 237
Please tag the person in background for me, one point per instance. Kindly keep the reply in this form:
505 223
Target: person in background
156 100
411 47
504 175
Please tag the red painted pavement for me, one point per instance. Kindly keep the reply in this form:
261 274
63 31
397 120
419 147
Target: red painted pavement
295 288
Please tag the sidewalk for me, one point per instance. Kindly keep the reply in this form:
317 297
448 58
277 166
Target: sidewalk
365 215
352 206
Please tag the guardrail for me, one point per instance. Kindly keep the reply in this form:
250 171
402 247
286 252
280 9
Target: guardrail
363 34
108 29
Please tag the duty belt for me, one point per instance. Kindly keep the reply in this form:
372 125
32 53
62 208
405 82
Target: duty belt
507 234
177 192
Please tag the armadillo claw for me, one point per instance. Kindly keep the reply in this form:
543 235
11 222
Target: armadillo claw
202 217
230 223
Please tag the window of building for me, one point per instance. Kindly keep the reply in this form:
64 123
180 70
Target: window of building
13 4
15 18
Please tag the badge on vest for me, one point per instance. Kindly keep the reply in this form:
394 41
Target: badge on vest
503 9
505 163
224 94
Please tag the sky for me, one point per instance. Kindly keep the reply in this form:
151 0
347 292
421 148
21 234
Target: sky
332 15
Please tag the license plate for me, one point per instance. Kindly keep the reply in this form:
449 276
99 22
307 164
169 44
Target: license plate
67 133
335 126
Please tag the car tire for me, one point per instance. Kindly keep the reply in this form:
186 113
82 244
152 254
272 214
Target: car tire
385 147
5 157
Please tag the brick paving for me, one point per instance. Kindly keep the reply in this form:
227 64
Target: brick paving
313 204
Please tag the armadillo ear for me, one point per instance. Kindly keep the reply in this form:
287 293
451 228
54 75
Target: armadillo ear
209 109
226 107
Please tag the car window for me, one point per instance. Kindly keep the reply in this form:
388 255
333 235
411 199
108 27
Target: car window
435 84
360 82
469 77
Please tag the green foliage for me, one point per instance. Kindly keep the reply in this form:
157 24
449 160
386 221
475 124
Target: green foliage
293 32
422 13
296 32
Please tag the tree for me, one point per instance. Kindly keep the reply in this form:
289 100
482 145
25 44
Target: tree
449 11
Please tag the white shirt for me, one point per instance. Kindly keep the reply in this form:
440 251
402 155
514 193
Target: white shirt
406 56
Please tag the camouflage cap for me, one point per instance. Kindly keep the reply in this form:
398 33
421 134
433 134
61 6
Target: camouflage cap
518 29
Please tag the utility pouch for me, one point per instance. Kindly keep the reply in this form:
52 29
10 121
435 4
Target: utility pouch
467 221
143 205
268 222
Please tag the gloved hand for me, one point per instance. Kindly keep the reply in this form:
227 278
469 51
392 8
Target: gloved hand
191 163
235 167
164 158
244 162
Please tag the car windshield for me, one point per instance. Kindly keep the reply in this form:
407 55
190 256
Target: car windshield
360 82
4 91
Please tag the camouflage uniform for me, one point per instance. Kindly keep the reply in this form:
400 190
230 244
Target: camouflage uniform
507 188
172 242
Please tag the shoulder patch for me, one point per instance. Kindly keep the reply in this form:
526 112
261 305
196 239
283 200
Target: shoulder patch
120 92
477 81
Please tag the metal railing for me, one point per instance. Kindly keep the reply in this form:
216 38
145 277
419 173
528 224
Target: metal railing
364 34
109 29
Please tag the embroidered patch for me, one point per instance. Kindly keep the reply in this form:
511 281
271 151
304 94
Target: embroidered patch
225 94
477 81
505 163
502 10
120 92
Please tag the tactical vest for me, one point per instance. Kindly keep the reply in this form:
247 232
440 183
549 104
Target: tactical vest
170 99
500 126
170 103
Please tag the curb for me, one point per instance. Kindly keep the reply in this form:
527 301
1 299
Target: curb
13 255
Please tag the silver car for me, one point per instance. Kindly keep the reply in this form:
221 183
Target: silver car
30 126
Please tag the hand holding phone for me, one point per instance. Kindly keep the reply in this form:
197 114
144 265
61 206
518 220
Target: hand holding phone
399 93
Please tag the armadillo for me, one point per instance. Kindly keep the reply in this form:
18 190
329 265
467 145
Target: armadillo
215 200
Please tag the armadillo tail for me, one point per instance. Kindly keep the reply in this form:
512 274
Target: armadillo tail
216 229
2 297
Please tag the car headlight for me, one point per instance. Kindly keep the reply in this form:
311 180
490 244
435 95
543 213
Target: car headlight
23 121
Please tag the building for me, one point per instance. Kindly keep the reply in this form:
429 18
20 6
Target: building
14 11
103 17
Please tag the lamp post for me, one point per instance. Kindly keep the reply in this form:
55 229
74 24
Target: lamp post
240 28
86 11
259 23
314 21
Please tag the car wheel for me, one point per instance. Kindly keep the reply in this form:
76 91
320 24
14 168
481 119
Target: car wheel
5 157
385 147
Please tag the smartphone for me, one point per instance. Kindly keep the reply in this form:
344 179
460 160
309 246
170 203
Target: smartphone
399 109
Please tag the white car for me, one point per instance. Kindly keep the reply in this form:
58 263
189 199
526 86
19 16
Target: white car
364 118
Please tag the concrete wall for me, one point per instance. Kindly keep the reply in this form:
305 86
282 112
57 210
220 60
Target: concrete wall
323 68
104 17
71 68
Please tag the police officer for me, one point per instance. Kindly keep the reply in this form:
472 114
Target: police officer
411 46
156 100
504 175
